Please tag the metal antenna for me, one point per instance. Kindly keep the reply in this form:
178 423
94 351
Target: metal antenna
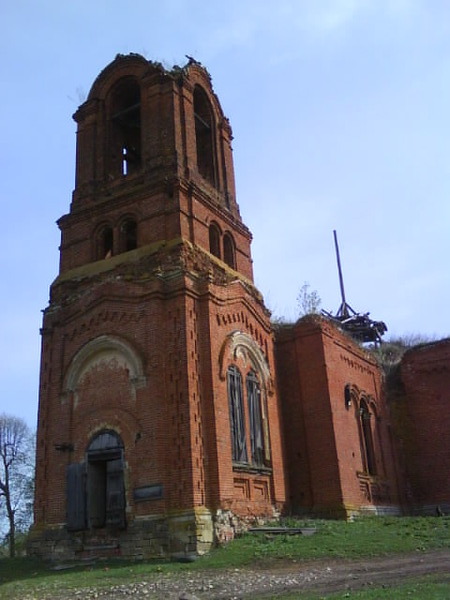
343 311
358 325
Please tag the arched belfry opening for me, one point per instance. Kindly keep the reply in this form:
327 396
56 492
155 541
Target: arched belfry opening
214 240
204 135
128 235
229 253
125 128
104 243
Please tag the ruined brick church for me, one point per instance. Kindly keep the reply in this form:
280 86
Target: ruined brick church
171 411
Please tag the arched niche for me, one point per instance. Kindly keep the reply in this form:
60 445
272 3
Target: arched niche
101 350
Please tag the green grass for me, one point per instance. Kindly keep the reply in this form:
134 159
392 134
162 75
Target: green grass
366 537
338 539
22 576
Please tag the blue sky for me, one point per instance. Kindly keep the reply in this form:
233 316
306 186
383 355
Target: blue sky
340 114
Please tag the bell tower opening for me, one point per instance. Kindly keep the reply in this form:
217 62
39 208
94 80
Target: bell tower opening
125 128
214 240
229 254
204 135
105 244
128 235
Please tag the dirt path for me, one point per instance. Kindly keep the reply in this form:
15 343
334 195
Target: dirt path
320 576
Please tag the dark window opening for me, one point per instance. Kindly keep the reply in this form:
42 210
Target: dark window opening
214 240
126 129
128 234
105 243
204 135
229 255
256 426
367 438
237 423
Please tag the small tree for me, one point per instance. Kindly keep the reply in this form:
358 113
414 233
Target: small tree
16 476
390 353
308 301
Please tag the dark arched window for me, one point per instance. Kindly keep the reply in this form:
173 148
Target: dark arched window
256 426
366 429
204 135
105 243
128 235
214 240
229 254
125 128
237 422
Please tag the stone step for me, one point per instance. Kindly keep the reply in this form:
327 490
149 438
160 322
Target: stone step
101 546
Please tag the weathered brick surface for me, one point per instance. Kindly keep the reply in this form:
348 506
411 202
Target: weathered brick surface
326 463
424 426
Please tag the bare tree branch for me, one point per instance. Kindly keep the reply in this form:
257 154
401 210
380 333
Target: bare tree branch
16 475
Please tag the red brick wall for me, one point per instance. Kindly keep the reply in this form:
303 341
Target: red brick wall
348 364
325 446
424 431
241 490
175 426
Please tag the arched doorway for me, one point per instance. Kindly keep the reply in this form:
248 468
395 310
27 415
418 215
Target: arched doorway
105 490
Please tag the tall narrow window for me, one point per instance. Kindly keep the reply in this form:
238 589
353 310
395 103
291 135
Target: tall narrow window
256 426
204 135
367 438
105 243
128 235
237 423
214 240
229 255
125 143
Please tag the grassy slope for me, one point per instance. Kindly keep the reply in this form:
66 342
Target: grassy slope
363 538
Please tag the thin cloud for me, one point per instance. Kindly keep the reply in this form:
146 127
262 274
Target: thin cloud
288 25
335 14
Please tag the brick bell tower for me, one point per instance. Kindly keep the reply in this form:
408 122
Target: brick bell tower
159 426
